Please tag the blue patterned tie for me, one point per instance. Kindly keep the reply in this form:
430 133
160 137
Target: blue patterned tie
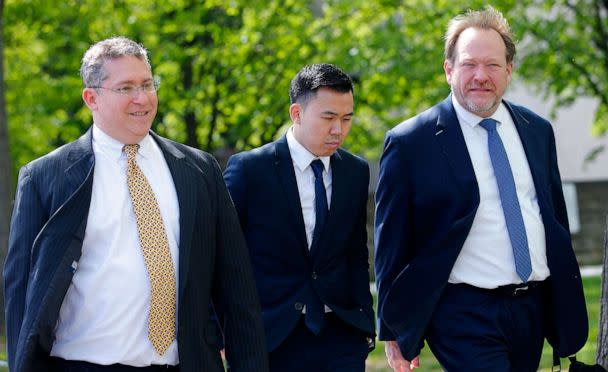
508 199
315 313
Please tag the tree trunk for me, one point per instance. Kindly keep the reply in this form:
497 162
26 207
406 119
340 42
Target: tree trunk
6 195
602 338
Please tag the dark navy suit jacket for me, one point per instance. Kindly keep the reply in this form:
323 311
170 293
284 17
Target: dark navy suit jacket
263 187
426 200
47 230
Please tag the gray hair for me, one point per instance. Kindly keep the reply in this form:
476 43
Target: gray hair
487 19
91 69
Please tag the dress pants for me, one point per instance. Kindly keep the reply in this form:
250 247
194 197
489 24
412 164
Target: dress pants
338 348
500 330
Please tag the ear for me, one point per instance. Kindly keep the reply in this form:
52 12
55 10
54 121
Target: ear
448 68
509 71
89 96
295 110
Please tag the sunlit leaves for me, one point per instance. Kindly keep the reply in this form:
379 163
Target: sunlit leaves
225 66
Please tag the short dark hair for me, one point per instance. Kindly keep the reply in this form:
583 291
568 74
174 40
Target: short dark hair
310 78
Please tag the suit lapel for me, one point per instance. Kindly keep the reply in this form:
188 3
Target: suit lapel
185 187
451 140
532 143
287 177
80 160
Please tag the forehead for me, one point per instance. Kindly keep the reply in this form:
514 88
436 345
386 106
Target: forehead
127 68
329 99
476 43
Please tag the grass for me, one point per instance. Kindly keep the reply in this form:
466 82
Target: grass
376 362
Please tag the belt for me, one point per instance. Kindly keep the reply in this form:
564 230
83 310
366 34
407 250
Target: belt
59 364
510 290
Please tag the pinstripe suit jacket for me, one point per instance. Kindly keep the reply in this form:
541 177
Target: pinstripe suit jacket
47 230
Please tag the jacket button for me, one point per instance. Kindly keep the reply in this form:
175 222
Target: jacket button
298 306
314 275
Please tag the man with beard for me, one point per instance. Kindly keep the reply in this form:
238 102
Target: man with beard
473 251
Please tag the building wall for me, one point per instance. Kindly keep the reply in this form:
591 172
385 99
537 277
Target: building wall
592 200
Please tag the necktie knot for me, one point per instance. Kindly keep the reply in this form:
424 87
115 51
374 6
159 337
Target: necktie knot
317 168
131 151
488 124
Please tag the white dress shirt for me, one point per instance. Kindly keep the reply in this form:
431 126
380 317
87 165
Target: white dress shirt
486 259
305 178
104 316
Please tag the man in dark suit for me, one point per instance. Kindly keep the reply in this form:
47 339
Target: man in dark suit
121 239
302 202
473 250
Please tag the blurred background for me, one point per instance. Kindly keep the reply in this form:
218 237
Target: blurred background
225 67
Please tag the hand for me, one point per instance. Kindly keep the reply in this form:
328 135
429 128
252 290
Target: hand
396 360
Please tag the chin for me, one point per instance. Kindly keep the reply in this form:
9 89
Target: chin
481 107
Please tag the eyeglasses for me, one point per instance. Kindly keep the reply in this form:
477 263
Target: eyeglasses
132 90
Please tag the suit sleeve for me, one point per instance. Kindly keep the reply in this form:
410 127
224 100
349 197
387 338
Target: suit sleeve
392 226
234 291
237 186
360 256
557 193
27 219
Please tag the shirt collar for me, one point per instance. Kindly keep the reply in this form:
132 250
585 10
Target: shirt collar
113 147
300 155
466 117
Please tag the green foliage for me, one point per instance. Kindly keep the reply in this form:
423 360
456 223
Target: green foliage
564 51
225 66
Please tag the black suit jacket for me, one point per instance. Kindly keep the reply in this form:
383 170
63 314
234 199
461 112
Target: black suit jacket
263 187
426 201
47 230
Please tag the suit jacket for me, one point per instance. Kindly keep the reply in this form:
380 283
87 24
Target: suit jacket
47 230
263 187
426 200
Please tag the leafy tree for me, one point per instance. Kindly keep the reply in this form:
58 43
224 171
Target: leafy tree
565 52
225 66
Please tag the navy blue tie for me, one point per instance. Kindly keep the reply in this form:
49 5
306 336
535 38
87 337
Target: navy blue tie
320 201
509 201
315 312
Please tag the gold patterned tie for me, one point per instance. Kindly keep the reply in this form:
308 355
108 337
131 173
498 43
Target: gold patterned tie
155 249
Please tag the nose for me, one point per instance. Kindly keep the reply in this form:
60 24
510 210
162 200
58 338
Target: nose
139 95
336 127
480 73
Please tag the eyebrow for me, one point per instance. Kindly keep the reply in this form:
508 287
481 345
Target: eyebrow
133 81
328 112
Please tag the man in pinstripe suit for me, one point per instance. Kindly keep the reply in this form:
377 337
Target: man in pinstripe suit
76 283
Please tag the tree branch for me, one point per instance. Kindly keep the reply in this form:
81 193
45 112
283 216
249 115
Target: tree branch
600 38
